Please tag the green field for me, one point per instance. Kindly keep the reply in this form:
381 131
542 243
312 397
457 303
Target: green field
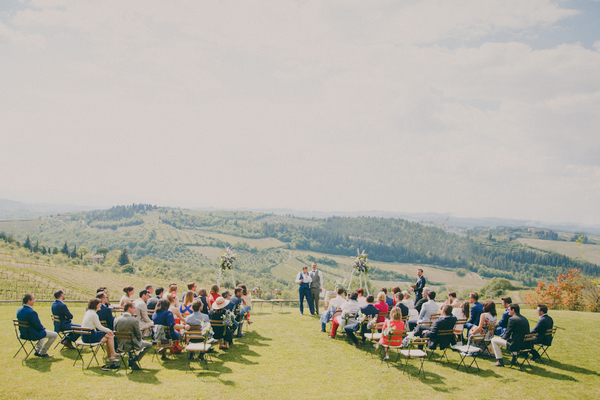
587 252
283 356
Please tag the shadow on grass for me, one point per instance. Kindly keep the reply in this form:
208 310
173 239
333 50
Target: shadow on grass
565 367
40 364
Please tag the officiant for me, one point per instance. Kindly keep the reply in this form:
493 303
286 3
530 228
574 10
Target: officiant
418 287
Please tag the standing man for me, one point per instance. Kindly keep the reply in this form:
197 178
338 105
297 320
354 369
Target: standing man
303 280
315 286
60 310
128 323
142 313
518 327
36 330
418 288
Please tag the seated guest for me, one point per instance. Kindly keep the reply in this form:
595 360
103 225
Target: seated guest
353 325
174 308
60 309
152 301
444 323
128 290
461 313
407 301
398 297
395 290
488 316
36 330
214 294
452 300
517 328
223 334
362 300
150 288
476 310
128 323
395 321
350 307
105 313
105 290
186 306
240 310
173 292
99 333
381 305
247 298
163 317
145 323
197 317
422 300
334 304
427 309
388 300
503 323
544 323
203 296
191 287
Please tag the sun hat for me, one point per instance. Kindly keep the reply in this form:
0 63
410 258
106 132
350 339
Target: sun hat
219 303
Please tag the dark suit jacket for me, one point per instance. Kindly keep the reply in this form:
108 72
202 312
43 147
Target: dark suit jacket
403 308
502 324
105 314
237 302
476 311
442 324
36 330
152 301
420 285
541 327
420 303
369 310
390 302
518 327
61 310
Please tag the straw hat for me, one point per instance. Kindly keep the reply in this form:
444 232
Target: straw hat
219 303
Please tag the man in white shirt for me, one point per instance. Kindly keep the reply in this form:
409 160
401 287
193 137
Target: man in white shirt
142 313
303 280
334 304
351 307
428 308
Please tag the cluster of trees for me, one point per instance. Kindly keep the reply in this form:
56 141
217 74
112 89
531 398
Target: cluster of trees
569 292
116 213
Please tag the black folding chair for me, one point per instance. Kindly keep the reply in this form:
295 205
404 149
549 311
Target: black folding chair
542 348
22 342
80 345
61 334
525 351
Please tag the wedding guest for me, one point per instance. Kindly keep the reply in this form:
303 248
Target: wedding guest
105 312
428 308
503 323
407 301
461 313
381 305
223 334
36 330
128 290
353 325
544 323
203 296
488 316
362 300
395 290
144 321
197 317
60 310
151 304
388 300
163 316
99 332
395 321
247 298
476 310
445 322
150 288
398 298
191 287
334 304
128 323
214 294
422 300
173 292
186 306
517 328
349 308
174 308
452 300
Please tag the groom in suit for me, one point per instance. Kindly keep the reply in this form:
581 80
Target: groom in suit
60 309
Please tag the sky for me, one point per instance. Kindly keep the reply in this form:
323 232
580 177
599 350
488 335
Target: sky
477 108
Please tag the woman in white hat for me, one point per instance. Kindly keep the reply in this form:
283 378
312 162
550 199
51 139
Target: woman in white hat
220 332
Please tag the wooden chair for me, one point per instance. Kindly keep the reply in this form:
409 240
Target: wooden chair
383 314
470 350
80 345
164 344
126 336
61 334
198 344
459 328
394 343
442 333
22 342
416 353
525 351
542 348
336 313
434 317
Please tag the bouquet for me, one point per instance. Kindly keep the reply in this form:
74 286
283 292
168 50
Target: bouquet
361 263
360 318
229 319
372 323
389 331
207 331
227 259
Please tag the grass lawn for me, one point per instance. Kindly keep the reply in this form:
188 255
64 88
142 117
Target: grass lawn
284 356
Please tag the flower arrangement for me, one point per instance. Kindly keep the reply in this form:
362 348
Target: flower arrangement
389 331
372 323
227 259
361 318
229 319
361 263
207 331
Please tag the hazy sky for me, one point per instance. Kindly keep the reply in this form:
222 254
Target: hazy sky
479 108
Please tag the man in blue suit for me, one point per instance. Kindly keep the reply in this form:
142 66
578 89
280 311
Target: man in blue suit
503 323
388 300
60 309
545 322
105 313
419 286
370 311
476 311
238 309
36 330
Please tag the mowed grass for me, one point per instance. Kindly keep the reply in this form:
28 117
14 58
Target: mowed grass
284 356
588 252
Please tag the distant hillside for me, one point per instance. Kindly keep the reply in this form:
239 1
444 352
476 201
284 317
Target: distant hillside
10 209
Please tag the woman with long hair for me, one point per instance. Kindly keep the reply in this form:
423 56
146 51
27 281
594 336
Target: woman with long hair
203 296
488 316
247 298
99 333
186 307
164 316
396 322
